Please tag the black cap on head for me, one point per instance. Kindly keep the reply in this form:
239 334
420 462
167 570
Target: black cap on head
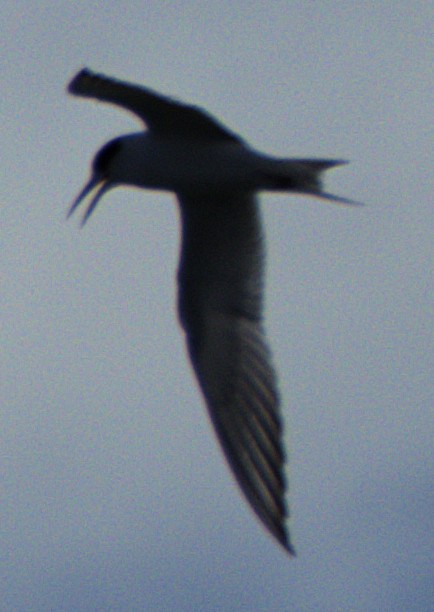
105 155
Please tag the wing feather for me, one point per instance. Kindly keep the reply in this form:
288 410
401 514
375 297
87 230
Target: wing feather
220 305
160 113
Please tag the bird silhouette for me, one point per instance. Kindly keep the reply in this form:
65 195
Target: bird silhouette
215 176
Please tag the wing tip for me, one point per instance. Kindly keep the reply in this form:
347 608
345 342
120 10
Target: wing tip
281 534
288 547
78 84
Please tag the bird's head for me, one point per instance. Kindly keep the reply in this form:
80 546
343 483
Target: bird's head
101 180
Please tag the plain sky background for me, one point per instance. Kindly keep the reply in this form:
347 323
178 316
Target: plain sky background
113 492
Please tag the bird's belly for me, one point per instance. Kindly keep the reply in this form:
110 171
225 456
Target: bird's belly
194 167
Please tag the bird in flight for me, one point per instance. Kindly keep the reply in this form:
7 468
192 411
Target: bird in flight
215 176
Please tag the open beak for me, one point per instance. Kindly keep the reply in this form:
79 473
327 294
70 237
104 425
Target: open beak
101 186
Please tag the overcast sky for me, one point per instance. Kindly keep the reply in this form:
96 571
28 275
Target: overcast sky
113 492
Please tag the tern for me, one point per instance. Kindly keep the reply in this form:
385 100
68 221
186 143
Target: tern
215 176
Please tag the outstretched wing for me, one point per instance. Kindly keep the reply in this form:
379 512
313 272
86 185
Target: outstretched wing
220 305
160 113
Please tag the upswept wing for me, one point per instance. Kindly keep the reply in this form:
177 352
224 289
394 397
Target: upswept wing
161 114
220 306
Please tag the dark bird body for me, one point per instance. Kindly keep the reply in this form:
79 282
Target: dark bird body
215 176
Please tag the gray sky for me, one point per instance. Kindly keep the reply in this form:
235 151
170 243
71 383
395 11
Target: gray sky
114 493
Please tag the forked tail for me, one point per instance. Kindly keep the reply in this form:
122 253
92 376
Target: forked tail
305 176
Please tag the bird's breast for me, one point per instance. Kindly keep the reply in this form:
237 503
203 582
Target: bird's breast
186 166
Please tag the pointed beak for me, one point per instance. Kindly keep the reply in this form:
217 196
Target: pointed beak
101 186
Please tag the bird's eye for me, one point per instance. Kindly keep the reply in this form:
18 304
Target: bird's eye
105 155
